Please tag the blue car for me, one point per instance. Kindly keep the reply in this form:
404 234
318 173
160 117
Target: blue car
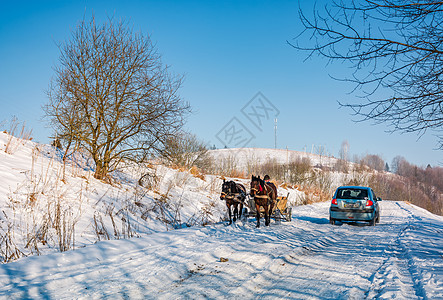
354 203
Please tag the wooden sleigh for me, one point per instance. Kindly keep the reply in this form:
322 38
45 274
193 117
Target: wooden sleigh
281 210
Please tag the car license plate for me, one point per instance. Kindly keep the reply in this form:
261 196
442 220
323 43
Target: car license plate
351 205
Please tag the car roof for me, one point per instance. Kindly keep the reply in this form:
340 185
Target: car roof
354 187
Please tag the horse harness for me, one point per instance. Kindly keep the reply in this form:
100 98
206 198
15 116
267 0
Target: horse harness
235 196
267 195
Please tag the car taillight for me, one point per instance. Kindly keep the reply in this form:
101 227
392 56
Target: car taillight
334 201
369 203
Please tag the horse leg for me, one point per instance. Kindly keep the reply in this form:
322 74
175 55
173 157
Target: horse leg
240 212
270 211
235 212
257 215
229 211
267 216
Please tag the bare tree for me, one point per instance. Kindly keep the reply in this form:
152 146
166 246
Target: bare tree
342 163
397 163
112 95
374 162
392 45
344 151
186 150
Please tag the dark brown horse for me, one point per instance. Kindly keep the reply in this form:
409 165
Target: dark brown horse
234 194
264 194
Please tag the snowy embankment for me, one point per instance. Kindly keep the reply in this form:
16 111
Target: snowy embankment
401 257
48 206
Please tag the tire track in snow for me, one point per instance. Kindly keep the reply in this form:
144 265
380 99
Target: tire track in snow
398 271
310 248
304 259
256 261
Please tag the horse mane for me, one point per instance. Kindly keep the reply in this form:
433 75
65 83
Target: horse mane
235 187
262 184
240 187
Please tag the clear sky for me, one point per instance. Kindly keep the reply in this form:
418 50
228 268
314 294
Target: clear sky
240 73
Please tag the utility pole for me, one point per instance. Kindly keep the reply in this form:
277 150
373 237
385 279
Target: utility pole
275 133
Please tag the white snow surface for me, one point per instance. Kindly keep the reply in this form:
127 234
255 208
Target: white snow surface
401 257
307 258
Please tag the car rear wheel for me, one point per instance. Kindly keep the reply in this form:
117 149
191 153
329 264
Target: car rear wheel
332 221
372 222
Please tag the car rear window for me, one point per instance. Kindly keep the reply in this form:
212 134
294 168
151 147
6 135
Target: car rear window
351 193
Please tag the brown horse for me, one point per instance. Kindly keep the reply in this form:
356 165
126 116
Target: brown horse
234 194
264 195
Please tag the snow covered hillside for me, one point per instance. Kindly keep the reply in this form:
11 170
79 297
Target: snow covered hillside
48 207
401 257
245 156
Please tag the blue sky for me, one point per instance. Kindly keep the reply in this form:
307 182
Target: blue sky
233 55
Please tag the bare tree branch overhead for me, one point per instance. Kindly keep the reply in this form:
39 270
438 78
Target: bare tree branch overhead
112 96
395 49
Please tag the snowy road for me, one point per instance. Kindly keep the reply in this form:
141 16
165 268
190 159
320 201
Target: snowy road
402 257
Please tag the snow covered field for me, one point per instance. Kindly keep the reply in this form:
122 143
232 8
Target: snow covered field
401 257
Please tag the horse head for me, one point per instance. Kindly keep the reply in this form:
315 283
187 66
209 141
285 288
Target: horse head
256 185
228 187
